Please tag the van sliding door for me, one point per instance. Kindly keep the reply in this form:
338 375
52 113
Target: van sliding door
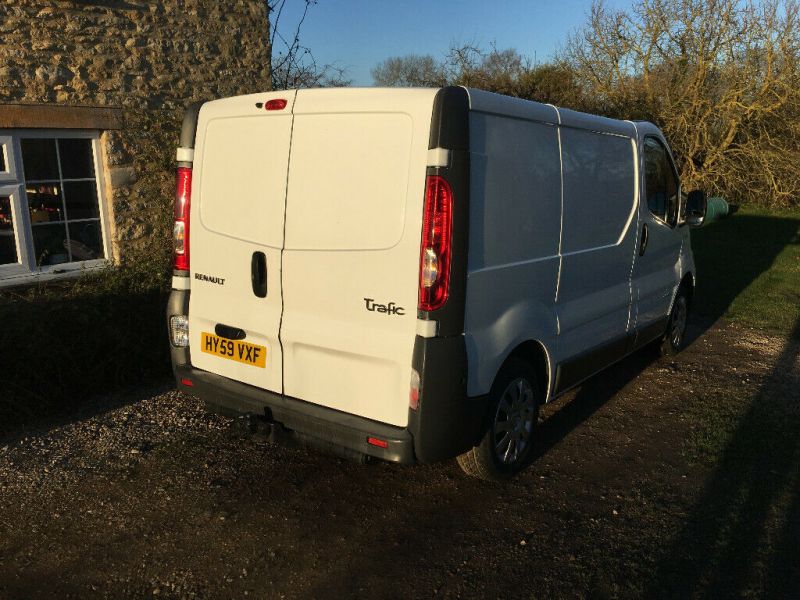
598 239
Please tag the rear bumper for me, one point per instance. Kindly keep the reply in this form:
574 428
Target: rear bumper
320 422
446 424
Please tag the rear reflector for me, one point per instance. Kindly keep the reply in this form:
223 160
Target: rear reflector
376 442
183 196
434 254
187 382
277 104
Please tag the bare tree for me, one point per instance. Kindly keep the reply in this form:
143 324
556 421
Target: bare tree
554 83
412 70
502 71
496 70
293 64
719 76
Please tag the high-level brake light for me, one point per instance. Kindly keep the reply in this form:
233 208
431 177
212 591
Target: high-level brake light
276 104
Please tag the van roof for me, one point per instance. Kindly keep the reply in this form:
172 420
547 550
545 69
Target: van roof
492 103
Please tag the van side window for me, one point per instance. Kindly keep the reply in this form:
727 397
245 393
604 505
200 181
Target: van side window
660 182
599 188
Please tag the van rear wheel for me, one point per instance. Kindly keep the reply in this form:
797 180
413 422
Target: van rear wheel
507 445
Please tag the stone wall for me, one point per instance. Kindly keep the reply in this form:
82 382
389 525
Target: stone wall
150 58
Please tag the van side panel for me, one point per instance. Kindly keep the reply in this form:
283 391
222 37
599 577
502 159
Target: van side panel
515 222
356 185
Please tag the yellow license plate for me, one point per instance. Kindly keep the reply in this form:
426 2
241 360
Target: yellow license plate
243 352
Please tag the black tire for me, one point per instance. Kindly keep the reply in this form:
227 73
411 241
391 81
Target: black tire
675 336
514 403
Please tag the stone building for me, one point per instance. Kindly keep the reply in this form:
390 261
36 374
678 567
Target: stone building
91 98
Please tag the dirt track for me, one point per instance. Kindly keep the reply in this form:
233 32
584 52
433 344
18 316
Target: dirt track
152 497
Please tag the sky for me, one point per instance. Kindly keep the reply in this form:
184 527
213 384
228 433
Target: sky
358 34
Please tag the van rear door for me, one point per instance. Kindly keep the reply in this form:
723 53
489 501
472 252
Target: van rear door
236 237
350 266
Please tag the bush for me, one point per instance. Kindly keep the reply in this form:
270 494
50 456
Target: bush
63 343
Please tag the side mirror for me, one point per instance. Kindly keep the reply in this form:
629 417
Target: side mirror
696 206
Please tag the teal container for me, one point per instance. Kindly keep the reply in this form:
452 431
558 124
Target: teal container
716 209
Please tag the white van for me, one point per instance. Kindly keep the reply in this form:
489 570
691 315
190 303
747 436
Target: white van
410 273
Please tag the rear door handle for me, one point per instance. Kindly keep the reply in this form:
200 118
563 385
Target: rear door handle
228 332
643 243
258 274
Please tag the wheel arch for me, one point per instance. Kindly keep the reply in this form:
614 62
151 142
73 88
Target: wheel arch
688 283
534 353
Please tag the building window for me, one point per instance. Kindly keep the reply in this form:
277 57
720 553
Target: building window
52 213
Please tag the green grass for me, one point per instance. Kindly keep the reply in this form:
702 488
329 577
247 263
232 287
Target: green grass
716 416
748 269
739 538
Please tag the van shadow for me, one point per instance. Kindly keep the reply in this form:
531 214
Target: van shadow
740 539
731 254
593 394
61 356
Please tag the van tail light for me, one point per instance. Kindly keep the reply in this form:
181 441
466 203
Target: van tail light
435 251
183 197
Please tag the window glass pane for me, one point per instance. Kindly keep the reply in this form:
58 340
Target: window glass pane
63 201
81 198
44 202
76 158
8 242
49 242
672 192
85 243
655 177
39 159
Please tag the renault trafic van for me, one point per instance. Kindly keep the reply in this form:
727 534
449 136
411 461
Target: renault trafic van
409 274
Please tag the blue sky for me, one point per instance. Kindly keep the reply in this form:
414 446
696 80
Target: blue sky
357 34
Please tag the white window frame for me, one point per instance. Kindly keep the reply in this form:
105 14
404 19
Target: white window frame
15 191
13 180
9 157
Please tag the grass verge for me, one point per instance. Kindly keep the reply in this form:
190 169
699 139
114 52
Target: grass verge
748 269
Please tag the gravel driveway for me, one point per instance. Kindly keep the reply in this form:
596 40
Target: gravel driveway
146 495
